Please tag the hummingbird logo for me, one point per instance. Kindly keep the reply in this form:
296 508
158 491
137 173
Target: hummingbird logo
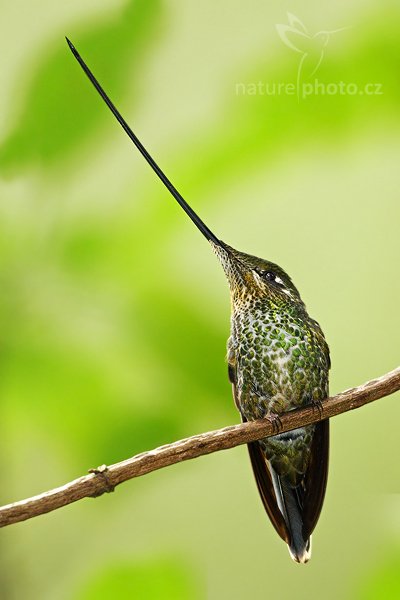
311 47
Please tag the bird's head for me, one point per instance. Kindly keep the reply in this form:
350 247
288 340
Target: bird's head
250 277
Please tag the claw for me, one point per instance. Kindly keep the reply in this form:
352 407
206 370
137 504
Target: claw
275 421
319 407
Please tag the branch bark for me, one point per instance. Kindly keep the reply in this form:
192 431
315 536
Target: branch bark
105 479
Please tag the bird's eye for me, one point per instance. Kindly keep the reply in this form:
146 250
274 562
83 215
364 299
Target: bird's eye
269 275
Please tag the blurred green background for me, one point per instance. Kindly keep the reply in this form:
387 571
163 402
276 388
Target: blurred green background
114 312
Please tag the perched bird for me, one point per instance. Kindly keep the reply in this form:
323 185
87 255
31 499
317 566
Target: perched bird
278 360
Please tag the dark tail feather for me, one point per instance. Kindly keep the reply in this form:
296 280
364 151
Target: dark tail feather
290 505
294 512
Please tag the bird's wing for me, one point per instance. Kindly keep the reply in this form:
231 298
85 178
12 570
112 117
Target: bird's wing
266 489
315 478
296 23
293 38
262 473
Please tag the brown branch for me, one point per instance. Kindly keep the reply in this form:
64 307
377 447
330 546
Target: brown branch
105 479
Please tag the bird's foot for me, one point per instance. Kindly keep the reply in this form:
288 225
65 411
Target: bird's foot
275 421
107 486
319 407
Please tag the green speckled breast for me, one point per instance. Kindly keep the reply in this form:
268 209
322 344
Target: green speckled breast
281 362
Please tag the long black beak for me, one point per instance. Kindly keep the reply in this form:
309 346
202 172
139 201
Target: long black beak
188 210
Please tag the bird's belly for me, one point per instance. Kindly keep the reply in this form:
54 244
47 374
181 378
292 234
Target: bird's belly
278 374
280 363
289 452
274 383
273 388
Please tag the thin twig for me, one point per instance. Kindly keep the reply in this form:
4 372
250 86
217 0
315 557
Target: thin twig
105 479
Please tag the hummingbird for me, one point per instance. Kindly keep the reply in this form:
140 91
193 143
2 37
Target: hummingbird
278 360
312 48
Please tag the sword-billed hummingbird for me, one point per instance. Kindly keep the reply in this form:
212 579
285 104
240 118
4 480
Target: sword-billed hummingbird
278 360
